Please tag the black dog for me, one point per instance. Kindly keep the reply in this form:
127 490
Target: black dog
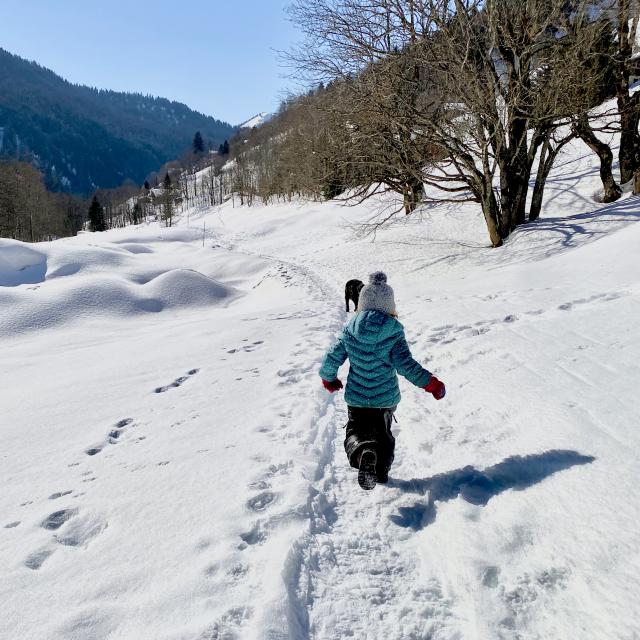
352 292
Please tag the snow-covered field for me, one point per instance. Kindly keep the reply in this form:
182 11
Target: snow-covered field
171 467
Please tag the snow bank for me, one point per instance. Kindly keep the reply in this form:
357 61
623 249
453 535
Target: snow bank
185 288
126 274
20 264
101 296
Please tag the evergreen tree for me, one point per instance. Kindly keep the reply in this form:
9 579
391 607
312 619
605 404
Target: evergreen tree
198 143
167 200
147 186
223 149
137 213
96 216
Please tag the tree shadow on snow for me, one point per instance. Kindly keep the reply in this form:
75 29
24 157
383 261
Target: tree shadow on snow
572 229
478 487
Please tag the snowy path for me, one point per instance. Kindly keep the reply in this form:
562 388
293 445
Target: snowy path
363 578
335 569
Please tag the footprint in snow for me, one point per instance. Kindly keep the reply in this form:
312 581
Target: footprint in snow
120 426
112 437
12 525
247 348
92 451
59 494
279 469
252 537
56 519
259 485
228 627
237 570
79 532
261 501
82 530
36 559
489 576
598 297
178 382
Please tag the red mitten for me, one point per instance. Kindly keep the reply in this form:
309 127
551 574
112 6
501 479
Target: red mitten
436 388
332 386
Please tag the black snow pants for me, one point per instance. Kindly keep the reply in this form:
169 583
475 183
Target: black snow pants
370 429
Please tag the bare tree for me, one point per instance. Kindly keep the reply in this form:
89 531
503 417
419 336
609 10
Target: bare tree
481 95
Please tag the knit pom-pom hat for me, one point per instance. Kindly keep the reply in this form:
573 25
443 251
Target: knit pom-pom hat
377 295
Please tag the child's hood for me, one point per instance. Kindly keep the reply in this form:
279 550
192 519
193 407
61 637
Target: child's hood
373 326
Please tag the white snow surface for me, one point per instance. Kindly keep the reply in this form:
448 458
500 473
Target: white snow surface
256 121
171 467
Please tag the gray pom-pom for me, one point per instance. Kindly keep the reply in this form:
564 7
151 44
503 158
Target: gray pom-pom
377 277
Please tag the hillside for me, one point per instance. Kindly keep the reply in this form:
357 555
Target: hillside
172 467
83 138
257 120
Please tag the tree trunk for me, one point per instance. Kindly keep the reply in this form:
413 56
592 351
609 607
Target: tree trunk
490 211
520 201
611 189
629 154
412 194
522 173
515 170
547 158
538 188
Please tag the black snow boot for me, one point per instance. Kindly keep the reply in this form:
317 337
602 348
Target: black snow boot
382 475
367 470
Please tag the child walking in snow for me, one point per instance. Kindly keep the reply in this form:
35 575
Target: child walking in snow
376 347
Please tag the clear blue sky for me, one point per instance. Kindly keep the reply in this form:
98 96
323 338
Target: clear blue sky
217 56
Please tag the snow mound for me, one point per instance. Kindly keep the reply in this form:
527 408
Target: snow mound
65 260
19 264
148 235
70 282
102 296
187 288
136 248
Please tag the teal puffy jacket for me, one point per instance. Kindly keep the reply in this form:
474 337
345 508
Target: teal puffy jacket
376 347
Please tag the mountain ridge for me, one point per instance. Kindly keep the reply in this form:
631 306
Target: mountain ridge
82 137
256 121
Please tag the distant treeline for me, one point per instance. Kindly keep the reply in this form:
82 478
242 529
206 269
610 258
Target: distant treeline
30 212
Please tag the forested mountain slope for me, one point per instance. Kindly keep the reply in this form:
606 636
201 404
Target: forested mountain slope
82 138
